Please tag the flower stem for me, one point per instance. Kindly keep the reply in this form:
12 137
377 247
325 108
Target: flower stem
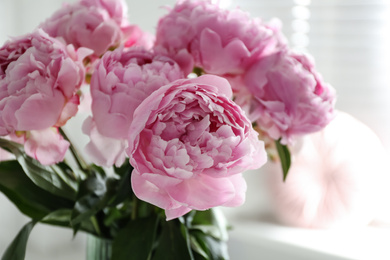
76 155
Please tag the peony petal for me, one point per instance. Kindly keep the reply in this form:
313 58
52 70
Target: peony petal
30 115
221 190
102 150
149 192
47 146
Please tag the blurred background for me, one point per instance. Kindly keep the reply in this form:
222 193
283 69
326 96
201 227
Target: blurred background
350 42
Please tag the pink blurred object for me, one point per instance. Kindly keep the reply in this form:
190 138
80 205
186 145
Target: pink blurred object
335 180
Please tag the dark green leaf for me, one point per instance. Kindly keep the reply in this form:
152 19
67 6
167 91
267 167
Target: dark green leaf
124 187
172 243
208 232
95 193
214 249
211 222
136 240
17 249
46 177
285 157
59 217
29 198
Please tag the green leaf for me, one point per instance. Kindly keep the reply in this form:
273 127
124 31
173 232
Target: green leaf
211 222
214 249
17 249
59 217
285 157
46 177
124 190
136 240
89 199
172 244
30 199
95 193
208 232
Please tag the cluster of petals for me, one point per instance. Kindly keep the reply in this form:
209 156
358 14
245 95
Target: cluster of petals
122 79
39 79
199 33
189 143
95 24
288 97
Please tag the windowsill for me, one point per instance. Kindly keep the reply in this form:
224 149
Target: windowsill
264 239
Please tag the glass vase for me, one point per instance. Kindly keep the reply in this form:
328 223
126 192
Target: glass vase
98 248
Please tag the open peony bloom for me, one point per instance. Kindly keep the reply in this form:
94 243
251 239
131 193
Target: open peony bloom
199 33
39 79
189 144
94 24
337 178
288 97
121 81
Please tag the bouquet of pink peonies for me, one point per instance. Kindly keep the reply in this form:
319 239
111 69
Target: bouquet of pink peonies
174 120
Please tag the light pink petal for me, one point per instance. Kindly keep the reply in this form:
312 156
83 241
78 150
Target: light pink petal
218 59
102 150
203 192
222 85
177 212
240 190
33 114
47 146
149 192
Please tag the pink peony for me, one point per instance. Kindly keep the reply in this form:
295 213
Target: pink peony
94 24
199 33
39 76
39 80
289 97
122 80
188 144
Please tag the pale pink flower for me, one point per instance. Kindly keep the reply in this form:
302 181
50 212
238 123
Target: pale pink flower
199 33
94 24
289 98
188 144
39 76
39 80
121 81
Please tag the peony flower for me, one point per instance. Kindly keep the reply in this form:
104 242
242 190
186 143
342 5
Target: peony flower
189 144
39 80
94 24
199 33
289 98
122 80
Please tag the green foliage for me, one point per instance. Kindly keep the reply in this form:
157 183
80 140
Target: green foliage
103 205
